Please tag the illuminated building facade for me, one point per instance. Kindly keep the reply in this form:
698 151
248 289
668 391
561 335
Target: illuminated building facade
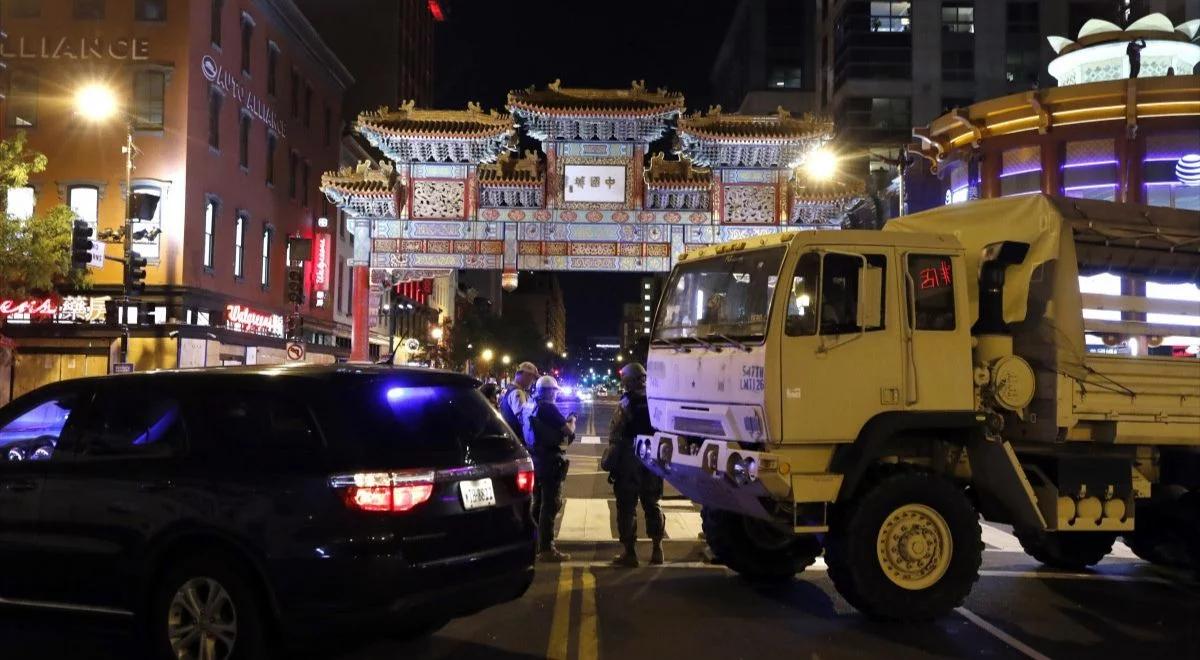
232 105
1101 134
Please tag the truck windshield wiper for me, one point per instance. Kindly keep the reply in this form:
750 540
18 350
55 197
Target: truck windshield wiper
729 339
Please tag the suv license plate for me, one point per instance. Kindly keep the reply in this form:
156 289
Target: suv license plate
477 494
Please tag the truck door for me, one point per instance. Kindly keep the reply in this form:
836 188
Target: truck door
937 350
840 348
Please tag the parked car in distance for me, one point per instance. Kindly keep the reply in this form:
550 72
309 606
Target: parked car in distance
217 505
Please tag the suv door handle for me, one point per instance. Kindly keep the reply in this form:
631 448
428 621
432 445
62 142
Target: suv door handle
19 485
156 486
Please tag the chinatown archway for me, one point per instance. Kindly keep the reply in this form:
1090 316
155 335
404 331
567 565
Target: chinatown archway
455 195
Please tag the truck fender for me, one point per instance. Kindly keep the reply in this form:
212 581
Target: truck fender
855 459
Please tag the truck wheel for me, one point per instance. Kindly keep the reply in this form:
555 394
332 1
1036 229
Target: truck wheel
1157 535
1073 551
756 549
908 548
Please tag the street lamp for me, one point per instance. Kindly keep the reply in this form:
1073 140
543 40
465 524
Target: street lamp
620 358
564 354
437 333
505 360
487 355
821 164
97 102
549 345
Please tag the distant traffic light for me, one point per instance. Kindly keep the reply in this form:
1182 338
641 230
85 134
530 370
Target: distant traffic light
135 274
295 285
81 245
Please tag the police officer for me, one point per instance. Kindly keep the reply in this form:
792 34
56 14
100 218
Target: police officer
516 395
546 433
632 481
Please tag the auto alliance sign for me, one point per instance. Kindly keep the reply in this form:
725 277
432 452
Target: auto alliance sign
221 77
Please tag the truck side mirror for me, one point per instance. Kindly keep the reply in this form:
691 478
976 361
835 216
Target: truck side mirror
870 293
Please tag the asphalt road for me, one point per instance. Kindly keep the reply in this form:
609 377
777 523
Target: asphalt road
690 609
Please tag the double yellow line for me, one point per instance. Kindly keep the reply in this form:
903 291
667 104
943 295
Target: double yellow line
560 626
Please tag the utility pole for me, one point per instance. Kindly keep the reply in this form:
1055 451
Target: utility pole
128 240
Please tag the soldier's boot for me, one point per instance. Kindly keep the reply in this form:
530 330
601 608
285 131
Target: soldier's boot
628 558
656 555
553 555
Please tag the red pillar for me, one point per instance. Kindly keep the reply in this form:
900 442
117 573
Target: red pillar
360 333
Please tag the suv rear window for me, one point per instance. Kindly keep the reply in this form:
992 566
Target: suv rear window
396 419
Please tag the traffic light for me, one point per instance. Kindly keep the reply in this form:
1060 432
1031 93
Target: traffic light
135 274
295 326
81 245
295 285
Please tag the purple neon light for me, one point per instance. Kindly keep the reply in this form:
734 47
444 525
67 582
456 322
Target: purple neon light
1091 186
1092 163
1027 171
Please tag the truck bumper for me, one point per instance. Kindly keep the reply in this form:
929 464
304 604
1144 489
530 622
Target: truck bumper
721 475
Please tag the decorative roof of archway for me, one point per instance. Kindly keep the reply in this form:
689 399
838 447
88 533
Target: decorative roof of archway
409 134
636 101
364 190
664 173
841 189
716 139
509 170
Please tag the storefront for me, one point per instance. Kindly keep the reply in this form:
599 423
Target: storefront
51 339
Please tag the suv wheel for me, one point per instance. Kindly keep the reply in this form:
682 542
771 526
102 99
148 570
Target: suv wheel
908 548
203 609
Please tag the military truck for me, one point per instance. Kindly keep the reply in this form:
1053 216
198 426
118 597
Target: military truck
869 395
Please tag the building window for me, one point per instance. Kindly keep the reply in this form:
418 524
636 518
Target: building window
149 89
265 280
244 141
146 232
958 64
958 17
293 166
239 244
890 113
890 16
272 66
23 99
784 77
307 105
210 226
215 22
150 10
247 37
304 174
215 98
272 141
24 8
89 9
295 93
1022 42
85 202
20 202
328 126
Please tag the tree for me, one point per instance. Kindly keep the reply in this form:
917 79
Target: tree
35 252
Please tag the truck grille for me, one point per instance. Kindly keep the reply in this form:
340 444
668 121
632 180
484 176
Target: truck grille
695 426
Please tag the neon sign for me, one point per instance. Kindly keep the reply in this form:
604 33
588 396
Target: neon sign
934 277
244 319
71 309
321 263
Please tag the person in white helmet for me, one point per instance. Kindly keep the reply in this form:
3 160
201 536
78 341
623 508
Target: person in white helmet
547 433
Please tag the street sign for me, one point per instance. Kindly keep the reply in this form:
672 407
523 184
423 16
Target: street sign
295 351
122 368
97 253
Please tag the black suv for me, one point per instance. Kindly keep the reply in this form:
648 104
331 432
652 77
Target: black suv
219 505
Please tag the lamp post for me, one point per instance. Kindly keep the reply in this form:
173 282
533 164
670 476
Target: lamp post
97 103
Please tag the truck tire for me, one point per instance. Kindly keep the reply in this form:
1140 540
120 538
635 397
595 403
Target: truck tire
1158 535
906 548
754 548
1072 551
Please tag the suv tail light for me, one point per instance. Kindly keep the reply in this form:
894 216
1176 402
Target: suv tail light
525 476
390 492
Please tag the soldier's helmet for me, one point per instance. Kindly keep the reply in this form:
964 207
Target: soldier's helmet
633 374
545 388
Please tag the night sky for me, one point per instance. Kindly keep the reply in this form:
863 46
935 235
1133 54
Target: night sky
488 48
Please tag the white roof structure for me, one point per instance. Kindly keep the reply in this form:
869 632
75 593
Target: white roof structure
1100 50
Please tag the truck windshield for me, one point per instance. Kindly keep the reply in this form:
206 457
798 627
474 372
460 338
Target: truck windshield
727 295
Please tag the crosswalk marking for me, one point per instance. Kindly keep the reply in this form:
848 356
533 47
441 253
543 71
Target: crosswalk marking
593 520
589 439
